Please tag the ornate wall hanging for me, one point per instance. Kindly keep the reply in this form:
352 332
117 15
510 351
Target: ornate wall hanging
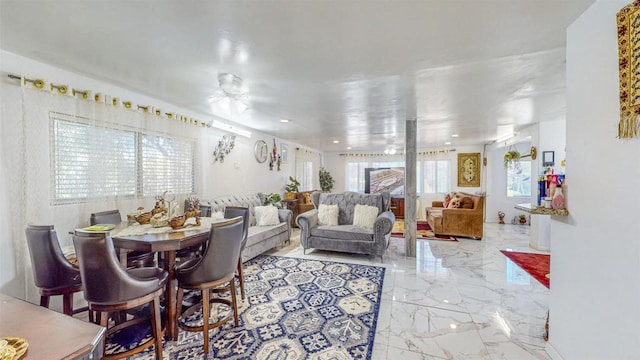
469 170
628 19
225 145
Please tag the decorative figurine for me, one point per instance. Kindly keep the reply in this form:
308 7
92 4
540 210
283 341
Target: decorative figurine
501 217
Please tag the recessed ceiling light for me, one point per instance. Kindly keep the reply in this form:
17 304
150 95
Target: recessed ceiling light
454 135
348 147
336 141
284 120
448 143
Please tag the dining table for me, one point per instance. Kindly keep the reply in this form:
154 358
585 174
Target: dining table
166 241
44 334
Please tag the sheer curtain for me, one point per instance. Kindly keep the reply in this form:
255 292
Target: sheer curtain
307 169
28 134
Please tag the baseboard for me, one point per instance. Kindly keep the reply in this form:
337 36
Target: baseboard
551 351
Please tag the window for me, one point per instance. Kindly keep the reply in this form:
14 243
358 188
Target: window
306 179
433 176
519 179
167 164
94 162
436 176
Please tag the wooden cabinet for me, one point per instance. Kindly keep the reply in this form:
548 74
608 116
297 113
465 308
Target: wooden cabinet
397 207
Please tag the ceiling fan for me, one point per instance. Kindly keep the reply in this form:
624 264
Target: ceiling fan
232 96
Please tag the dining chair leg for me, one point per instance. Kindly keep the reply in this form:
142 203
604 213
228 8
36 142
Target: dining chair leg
234 302
157 328
44 301
206 310
67 304
241 278
179 304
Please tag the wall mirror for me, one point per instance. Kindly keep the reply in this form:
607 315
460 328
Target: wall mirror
547 158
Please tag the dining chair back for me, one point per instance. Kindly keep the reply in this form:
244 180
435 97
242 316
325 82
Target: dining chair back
231 212
53 274
111 289
134 258
216 268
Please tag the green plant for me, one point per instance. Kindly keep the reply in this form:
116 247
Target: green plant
273 199
326 180
293 185
511 157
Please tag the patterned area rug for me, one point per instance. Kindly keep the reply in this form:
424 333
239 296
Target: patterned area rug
536 265
424 231
295 309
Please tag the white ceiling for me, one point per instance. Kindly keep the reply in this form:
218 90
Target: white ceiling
352 71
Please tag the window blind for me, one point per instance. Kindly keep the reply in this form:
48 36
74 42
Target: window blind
167 164
92 162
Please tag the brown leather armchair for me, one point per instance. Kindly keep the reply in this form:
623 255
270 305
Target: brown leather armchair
458 221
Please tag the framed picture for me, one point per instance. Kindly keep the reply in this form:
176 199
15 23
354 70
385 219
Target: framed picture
548 158
469 170
284 153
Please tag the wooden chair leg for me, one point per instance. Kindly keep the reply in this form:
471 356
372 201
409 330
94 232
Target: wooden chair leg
67 304
241 278
44 301
179 303
234 302
156 326
206 310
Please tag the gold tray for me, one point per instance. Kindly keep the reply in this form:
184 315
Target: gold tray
12 348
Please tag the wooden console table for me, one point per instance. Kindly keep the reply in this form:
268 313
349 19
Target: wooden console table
397 207
51 335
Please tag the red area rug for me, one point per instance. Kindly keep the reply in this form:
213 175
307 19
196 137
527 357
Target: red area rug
424 231
537 265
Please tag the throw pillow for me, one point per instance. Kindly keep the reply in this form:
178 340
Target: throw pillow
328 215
364 216
267 215
447 200
454 204
217 215
466 203
307 198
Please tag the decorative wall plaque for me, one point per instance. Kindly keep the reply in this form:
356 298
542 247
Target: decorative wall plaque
629 70
469 170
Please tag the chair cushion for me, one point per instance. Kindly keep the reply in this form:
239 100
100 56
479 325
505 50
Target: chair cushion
328 215
343 232
364 216
266 215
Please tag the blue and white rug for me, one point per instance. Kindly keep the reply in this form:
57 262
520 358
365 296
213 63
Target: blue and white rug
295 309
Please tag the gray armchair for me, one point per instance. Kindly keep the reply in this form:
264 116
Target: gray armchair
346 237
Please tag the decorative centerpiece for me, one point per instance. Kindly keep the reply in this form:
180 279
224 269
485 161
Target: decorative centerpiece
143 217
178 222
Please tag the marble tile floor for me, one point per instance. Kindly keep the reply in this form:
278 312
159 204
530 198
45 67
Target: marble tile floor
454 300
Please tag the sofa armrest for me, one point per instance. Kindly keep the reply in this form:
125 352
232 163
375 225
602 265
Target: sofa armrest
285 216
382 230
307 221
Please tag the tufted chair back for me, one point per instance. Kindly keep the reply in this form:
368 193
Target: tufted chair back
347 202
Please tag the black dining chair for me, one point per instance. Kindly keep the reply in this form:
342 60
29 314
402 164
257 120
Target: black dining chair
216 268
109 288
134 258
53 274
231 212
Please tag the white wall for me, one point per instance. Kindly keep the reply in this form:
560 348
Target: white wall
595 262
239 174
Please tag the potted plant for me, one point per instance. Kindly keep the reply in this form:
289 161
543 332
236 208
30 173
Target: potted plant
326 180
511 158
273 199
291 188
522 218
